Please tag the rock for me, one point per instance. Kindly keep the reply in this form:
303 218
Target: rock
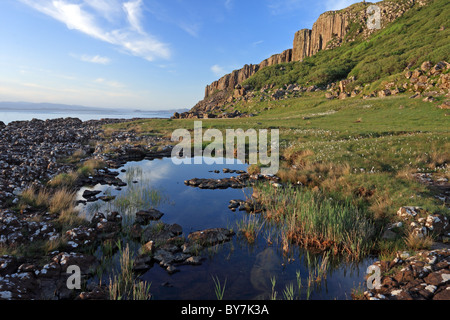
145 216
89 194
425 275
148 248
408 212
81 236
162 233
438 278
98 293
443 294
384 93
329 96
427 65
445 105
439 67
211 237
194 260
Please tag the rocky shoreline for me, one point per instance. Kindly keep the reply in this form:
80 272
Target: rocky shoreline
30 154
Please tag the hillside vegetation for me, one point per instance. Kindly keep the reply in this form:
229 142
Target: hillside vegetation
421 34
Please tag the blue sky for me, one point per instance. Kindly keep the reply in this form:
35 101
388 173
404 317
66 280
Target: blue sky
139 54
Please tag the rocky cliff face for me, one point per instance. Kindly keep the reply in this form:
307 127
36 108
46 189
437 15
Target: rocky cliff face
330 30
231 80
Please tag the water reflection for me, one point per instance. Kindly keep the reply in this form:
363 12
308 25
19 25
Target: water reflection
252 271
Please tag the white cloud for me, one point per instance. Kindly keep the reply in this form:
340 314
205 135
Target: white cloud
92 59
132 39
108 83
134 15
218 70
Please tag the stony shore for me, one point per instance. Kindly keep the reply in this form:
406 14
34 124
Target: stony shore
30 154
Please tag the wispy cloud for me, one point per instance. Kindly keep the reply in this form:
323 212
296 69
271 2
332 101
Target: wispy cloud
184 16
229 4
92 59
339 4
133 10
109 83
88 17
218 70
277 7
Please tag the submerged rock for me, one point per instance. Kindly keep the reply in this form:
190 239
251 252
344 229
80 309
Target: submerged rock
145 216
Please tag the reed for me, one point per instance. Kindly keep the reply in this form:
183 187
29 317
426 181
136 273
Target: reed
124 285
219 290
62 199
309 219
250 226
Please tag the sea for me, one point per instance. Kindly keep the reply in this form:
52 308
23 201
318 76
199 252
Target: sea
7 116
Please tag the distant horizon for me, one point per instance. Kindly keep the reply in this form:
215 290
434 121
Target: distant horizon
50 106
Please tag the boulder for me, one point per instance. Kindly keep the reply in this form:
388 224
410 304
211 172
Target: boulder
145 216
211 237
439 67
384 93
427 65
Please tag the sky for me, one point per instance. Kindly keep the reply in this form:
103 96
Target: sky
139 54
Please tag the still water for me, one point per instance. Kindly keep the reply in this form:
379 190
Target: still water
9 116
249 271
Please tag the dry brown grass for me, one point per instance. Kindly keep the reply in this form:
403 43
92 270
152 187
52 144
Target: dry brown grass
297 157
406 173
416 242
63 199
254 169
69 218
381 207
64 180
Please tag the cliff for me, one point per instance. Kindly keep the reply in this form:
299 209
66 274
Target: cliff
230 81
331 29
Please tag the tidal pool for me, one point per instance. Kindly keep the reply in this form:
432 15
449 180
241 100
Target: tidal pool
258 270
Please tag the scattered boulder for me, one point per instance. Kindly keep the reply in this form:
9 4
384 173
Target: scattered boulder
145 216
211 237
426 66
424 223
